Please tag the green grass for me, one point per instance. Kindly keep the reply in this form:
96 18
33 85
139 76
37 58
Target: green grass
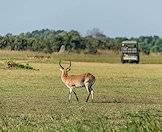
127 97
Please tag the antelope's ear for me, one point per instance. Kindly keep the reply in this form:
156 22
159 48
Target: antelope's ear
68 69
61 69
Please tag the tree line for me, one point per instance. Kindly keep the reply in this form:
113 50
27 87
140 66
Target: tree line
50 41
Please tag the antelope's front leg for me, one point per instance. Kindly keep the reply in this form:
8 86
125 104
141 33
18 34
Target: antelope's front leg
70 92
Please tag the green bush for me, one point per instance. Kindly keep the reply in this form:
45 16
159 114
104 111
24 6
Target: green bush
12 64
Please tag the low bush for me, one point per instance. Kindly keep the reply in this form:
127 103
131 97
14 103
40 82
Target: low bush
12 64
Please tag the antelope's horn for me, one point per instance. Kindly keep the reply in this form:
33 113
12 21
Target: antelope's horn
61 65
69 65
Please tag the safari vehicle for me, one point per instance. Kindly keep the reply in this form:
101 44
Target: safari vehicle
129 52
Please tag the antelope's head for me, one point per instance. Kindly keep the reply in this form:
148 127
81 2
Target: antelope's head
64 70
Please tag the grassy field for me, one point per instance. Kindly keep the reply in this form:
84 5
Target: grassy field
127 96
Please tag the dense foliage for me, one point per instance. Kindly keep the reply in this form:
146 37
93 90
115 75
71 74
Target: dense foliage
49 41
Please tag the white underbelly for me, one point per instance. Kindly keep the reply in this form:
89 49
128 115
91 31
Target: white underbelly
74 85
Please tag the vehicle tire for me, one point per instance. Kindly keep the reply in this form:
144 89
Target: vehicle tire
136 62
123 62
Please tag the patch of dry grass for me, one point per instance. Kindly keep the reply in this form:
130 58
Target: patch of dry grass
105 57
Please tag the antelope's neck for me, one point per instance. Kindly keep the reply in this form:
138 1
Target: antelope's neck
64 76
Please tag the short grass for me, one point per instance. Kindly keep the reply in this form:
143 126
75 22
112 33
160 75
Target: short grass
127 97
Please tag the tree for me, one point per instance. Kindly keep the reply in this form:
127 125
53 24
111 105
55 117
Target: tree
95 32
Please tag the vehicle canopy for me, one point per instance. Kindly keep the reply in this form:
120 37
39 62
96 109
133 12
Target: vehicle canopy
129 42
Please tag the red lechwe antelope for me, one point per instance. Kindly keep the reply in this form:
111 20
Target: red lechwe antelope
74 81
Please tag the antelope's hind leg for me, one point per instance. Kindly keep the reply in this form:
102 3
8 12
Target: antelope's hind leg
90 91
92 94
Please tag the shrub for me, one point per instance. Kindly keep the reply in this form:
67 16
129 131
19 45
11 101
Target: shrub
12 64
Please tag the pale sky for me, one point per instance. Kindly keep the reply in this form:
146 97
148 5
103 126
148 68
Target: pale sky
114 18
